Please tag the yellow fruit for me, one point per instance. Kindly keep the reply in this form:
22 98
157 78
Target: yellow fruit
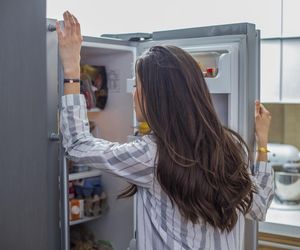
144 128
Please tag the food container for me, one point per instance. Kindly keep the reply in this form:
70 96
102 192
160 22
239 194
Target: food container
211 72
88 187
95 205
76 209
83 192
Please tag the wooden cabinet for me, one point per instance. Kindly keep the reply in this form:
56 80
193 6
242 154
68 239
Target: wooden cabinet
277 242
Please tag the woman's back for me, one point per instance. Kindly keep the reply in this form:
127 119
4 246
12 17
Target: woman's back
161 226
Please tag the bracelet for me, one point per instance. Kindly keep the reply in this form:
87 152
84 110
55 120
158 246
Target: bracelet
71 80
263 150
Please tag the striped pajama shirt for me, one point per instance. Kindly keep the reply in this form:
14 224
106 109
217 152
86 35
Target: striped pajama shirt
159 225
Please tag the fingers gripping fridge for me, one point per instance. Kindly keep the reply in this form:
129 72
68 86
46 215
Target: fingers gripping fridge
229 56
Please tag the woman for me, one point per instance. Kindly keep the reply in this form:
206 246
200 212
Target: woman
191 175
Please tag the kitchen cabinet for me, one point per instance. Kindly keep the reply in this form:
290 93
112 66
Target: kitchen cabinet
265 14
270 71
280 74
291 18
291 70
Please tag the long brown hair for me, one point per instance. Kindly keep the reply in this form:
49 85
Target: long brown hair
201 165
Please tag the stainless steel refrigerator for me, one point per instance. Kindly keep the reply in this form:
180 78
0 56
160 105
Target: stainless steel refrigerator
231 49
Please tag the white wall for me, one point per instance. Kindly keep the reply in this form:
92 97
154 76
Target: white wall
117 16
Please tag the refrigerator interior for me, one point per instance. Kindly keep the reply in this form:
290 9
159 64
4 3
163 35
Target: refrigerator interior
115 123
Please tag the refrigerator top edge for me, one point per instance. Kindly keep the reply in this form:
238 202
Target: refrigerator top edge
106 40
196 32
208 31
134 39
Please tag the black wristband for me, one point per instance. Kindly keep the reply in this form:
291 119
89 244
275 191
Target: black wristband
71 80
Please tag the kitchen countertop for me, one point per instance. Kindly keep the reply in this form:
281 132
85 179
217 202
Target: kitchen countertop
282 222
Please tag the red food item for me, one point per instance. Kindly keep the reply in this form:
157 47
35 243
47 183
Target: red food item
211 72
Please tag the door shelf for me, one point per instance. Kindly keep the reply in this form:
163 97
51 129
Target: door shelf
86 174
220 61
84 219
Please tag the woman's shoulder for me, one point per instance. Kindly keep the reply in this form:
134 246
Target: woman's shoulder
149 138
151 142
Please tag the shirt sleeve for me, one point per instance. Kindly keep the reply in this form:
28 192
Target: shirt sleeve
131 161
262 176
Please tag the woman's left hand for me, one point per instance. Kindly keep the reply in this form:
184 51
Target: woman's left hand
69 41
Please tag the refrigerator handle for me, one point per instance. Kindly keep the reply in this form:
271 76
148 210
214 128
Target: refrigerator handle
54 137
64 174
64 206
51 28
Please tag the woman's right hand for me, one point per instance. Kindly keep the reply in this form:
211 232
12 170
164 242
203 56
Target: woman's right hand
69 41
262 124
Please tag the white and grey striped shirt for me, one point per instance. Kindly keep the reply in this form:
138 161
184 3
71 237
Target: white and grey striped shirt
160 225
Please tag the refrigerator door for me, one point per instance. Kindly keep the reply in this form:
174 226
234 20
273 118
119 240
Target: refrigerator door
232 51
54 91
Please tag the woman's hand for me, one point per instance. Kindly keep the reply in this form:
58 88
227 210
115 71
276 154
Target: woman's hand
262 124
69 41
